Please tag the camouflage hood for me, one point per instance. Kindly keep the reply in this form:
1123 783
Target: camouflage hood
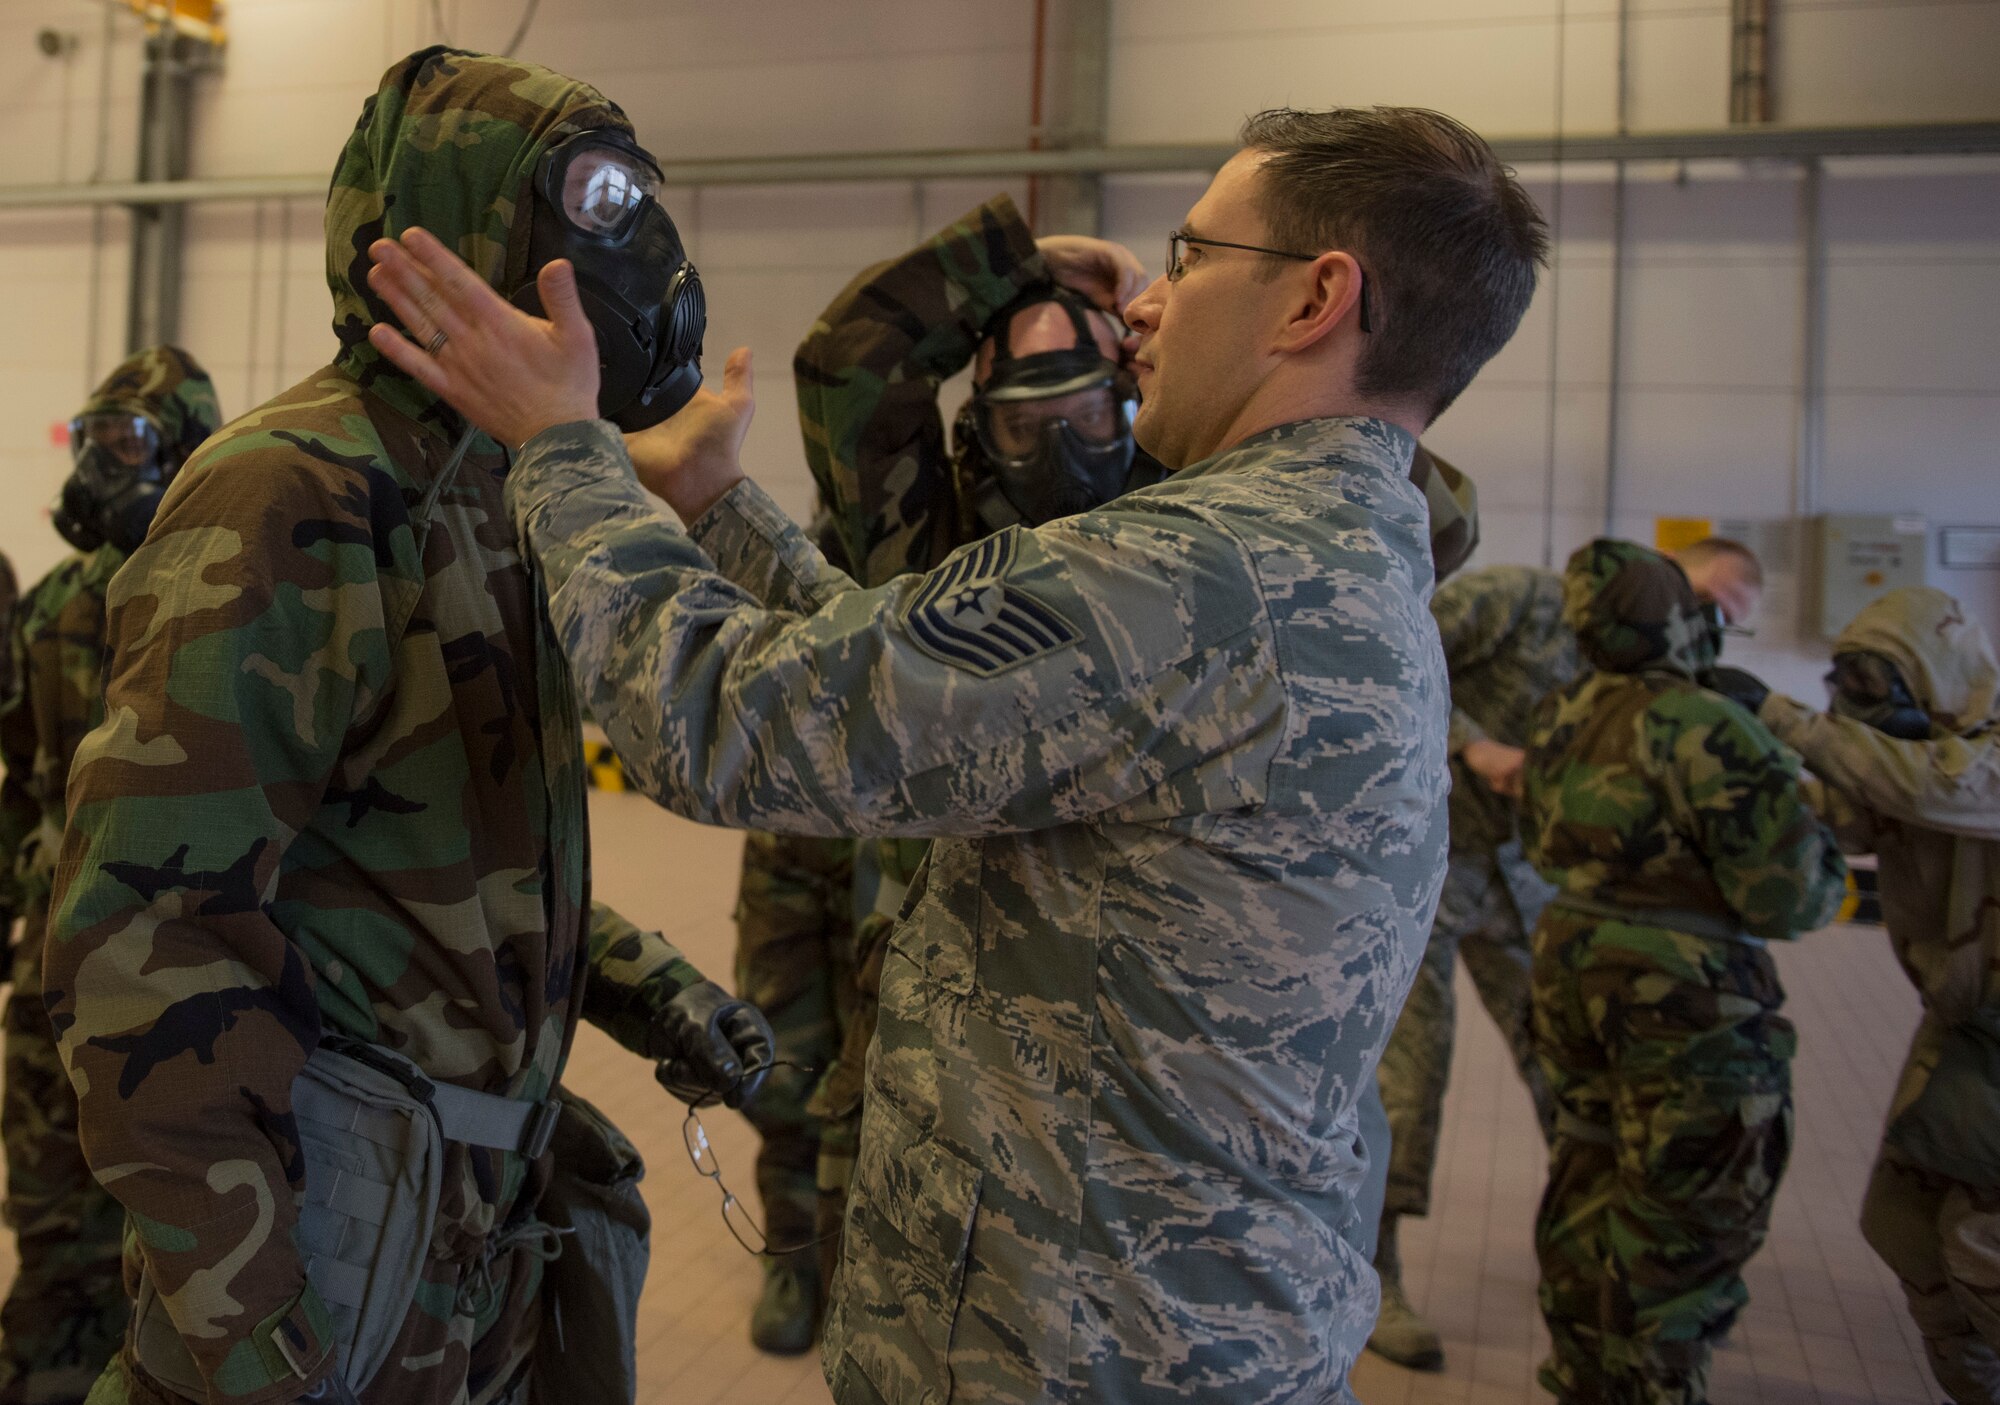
1632 609
168 387
1454 503
449 143
1945 658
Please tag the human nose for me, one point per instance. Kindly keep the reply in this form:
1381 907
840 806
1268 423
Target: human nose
1141 314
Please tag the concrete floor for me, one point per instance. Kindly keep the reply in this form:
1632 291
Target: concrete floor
1826 1322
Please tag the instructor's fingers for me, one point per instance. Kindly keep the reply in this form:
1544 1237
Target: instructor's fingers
557 285
410 359
412 294
463 290
739 377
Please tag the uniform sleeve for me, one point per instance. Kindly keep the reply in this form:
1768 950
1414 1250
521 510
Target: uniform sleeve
246 636
1951 784
1738 792
1476 615
1036 678
868 373
633 974
766 556
1853 826
20 815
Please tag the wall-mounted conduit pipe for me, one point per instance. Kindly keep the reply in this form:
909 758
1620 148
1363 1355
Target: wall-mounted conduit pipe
1748 144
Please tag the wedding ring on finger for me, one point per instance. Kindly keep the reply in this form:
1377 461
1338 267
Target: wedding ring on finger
436 343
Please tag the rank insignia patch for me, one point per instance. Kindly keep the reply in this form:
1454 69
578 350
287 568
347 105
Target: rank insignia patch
969 617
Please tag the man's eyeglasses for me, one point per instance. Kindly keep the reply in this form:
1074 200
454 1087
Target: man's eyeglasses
1711 611
735 1215
1178 241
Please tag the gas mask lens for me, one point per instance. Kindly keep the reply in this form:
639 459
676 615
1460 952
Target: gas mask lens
130 442
1014 429
604 186
1011 424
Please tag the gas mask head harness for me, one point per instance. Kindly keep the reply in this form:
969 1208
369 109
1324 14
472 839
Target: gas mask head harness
1868 687
597 204
1718 625
1053 429
121 471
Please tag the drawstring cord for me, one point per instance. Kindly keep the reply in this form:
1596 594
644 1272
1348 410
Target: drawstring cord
477 1294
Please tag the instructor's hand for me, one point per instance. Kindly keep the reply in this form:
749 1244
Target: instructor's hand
1109 274
512 374
694 457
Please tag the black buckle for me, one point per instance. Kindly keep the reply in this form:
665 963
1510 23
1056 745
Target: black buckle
541 1129
362 1052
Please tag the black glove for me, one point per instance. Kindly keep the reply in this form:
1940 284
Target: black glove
711 1046
1738 685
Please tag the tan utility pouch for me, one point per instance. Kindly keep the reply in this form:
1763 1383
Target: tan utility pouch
372 1130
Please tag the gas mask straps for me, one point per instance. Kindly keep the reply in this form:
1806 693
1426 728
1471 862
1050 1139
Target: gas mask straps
1053 428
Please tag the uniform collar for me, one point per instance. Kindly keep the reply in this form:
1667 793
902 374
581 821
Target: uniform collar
1348 441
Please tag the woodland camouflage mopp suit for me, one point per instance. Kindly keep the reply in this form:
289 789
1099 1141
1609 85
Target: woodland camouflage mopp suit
1675 825
67 1308
339 792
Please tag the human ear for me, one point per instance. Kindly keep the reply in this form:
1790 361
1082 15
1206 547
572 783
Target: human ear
1331 293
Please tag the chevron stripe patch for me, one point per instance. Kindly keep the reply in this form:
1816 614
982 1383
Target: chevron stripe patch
969 617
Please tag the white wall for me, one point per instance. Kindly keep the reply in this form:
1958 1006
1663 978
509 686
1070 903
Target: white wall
1709 409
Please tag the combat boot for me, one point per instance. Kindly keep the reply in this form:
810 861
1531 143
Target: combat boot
788 1309
1401 1335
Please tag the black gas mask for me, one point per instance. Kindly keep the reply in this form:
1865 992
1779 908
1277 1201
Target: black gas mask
1718 626
1053 429
121 472
598 206
1870 688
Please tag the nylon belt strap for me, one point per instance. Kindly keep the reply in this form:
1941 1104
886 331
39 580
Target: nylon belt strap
1674 919
485 1119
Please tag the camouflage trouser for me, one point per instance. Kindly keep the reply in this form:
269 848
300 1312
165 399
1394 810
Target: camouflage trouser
1481 920
793 935
1672 1073
1942 1238
463 1342
65 1314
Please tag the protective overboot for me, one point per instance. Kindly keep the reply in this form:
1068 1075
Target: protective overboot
1400 1334
788 1309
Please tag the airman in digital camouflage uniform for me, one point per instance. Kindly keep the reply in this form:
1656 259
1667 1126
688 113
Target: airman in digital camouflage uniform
1911 747
900 499
903 498
339 791
1184 752
66 1310
1674 825
1506 646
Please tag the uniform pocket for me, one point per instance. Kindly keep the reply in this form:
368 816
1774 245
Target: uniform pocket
933 933
157 1345
909 1233
1707 1152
